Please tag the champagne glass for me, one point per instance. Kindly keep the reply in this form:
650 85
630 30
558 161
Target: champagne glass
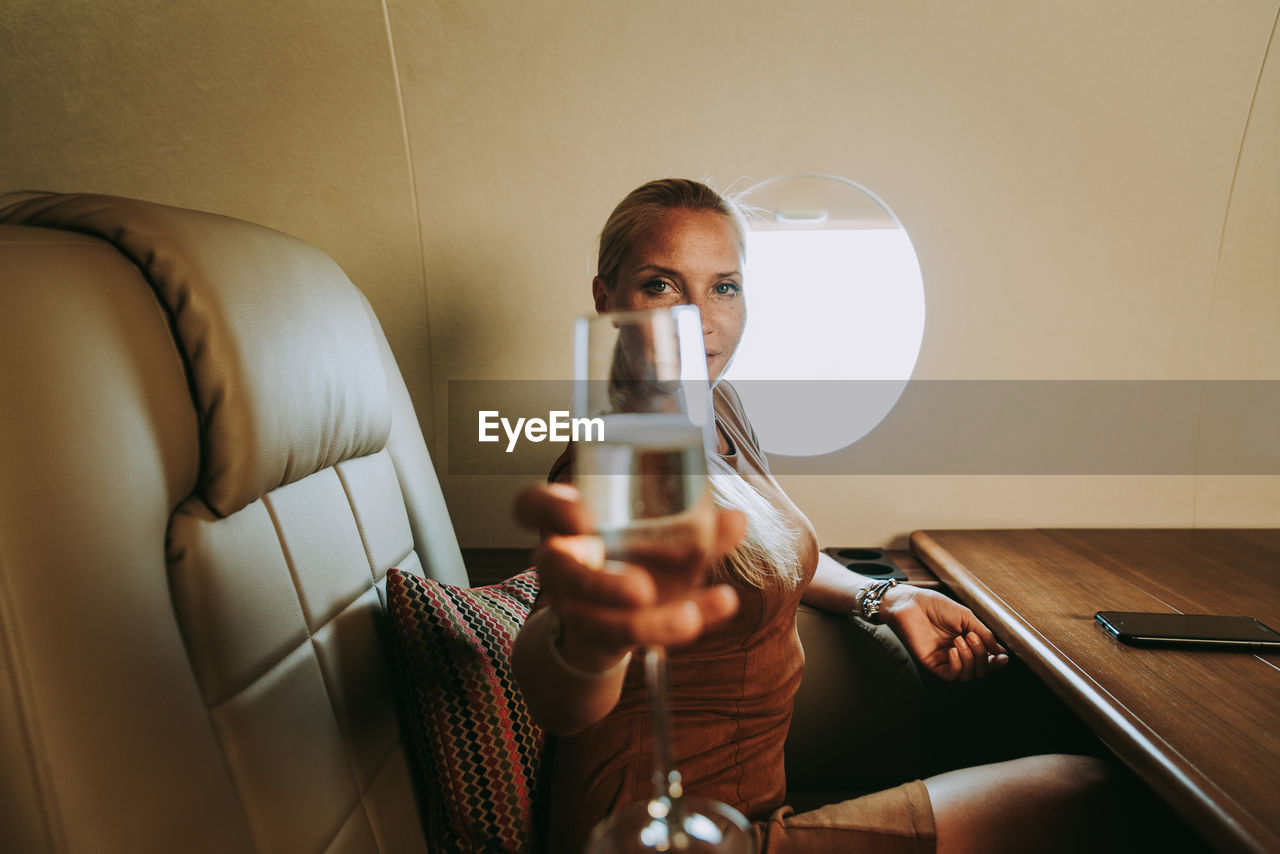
643 374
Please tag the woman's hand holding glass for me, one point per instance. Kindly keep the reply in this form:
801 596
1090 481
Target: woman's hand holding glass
659 596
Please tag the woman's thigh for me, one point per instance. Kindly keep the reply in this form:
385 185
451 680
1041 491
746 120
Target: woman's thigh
1054 802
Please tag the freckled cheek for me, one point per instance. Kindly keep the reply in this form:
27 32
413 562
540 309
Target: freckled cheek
725 327
626 300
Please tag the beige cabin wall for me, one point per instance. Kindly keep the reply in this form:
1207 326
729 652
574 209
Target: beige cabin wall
284 113
1091 187
1242 336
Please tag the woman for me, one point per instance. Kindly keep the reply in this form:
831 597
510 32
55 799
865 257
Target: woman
735 660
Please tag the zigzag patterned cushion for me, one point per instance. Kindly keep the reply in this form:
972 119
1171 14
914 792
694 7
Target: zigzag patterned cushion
478 750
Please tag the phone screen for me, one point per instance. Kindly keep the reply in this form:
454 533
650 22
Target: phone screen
1198 629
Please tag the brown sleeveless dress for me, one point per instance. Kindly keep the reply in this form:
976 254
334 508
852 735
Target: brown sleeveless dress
731 695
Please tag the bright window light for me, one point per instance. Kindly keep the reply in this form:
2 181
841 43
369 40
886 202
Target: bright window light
827 307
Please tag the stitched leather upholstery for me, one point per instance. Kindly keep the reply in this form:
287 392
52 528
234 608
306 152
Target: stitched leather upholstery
210 462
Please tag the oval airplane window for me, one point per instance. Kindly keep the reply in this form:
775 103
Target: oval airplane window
835 313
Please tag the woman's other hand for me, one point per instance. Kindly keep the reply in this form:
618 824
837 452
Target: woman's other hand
942 634
604 612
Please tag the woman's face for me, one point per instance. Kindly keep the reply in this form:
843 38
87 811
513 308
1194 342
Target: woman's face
687 257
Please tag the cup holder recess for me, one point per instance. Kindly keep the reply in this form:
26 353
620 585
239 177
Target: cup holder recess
873 563
859 554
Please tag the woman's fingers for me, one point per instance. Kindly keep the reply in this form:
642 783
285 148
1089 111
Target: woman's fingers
979 654
989 653
672 624
554 508
964 659
985 636
571 568
611 606
617 608
951 673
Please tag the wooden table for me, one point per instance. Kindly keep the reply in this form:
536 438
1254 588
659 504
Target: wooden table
1202 728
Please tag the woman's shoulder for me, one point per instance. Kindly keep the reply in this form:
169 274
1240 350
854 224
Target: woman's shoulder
726 399
729 408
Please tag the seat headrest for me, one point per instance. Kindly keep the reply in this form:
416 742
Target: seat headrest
279 345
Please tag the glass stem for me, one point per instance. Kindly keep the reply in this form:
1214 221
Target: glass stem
666 779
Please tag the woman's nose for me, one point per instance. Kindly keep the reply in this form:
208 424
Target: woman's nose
698 300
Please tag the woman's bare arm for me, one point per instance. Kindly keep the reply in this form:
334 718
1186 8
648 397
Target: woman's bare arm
941 634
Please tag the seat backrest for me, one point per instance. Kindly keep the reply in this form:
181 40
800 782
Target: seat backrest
210 461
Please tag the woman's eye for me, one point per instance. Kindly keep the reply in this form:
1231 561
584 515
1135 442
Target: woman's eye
658 286
728 288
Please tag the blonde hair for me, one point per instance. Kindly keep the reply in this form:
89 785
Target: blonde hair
767 553
645 205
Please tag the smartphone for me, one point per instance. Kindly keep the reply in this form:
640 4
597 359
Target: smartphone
1200 630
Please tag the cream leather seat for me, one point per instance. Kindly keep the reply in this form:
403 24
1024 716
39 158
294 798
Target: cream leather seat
210 461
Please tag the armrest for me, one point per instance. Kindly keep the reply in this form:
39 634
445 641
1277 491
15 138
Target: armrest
858 714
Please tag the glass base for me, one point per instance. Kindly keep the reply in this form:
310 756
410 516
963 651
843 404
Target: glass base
690 825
